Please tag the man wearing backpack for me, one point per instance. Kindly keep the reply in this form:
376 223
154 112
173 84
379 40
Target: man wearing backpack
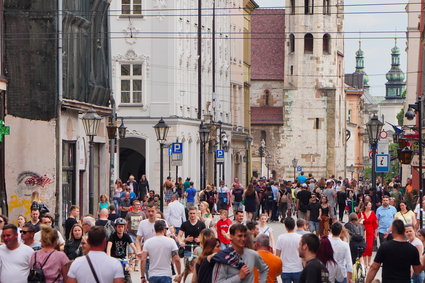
96 266
14 256
223 199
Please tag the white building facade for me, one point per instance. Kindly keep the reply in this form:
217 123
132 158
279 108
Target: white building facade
155 74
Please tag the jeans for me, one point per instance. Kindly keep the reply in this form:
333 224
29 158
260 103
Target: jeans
313 226
416 278
237 205
224 246
343 281
160 279
290 277
341 209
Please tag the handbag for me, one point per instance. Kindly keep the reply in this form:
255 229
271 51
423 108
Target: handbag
181 252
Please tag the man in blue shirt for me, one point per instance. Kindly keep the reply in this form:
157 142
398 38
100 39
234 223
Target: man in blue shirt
190 195
301 178
275 191
385 214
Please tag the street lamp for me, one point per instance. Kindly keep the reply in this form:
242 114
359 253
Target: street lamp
262 150
161 131
204 135
91 123
122 129
414 109
294 164
268 161
374 127
351 170
405 155
248 141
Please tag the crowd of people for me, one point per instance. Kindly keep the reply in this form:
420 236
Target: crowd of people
223 234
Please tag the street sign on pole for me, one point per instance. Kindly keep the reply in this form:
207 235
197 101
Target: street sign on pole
382 164
299 169
170 151
177 159
177 147
219 155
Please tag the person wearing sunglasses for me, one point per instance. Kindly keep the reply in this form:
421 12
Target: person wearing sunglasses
27 236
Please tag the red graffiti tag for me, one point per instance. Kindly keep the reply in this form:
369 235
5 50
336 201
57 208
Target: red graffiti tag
41 181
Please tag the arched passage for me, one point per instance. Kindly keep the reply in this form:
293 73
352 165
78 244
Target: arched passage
132 158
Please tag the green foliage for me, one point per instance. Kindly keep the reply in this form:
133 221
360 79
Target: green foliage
404 93
400 117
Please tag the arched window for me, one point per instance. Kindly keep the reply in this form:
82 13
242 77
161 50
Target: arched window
263 136
292 43
308 43
326 44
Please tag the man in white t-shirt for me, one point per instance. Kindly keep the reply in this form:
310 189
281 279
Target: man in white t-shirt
175 213
162 251
48 220
14 257
107 269
287 249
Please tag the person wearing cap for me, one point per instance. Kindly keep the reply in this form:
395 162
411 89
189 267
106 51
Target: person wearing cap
162 251
175 214
303 199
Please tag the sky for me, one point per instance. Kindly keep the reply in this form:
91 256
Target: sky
377 51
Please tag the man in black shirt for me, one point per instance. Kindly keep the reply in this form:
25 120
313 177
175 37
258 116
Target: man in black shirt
396 257
313 220
303 198
314 270
118 241
71 220
189 232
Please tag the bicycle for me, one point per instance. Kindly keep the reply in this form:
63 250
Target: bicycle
359 270
126 269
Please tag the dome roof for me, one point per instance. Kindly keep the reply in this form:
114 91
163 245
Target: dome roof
395 75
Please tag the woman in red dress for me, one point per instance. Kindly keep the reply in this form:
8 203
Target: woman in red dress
370 222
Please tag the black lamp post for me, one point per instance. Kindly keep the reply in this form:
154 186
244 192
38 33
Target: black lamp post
414 109
262 150
204 135
374 127
91 123
111 128
248 141
161 131
294 164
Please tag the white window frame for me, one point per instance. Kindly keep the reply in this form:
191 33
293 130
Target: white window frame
131 4
131 78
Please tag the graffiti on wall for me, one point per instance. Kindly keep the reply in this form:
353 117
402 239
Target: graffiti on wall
26 183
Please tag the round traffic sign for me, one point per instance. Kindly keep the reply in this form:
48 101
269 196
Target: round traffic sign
383 134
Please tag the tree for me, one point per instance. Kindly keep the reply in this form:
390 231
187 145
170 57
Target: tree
400 117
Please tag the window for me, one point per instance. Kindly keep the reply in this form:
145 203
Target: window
326 44
316 124
292 7
326 7
308 7
308 43
292 70
131 83
349 115
263 136
131 7
266 97
292 43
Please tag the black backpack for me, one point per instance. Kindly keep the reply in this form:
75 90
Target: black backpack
36 275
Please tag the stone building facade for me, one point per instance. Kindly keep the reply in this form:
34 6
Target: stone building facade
313 123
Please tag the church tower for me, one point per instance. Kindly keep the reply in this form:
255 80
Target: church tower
395 85
314 99
360 67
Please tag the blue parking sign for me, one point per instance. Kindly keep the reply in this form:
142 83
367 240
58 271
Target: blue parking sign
170 151
177 148
219 153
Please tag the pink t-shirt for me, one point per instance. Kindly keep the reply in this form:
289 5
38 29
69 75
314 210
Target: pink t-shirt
53 266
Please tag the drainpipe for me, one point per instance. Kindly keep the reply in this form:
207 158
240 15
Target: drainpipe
59 70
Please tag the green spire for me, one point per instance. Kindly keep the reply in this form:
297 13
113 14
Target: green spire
360 65
395 76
